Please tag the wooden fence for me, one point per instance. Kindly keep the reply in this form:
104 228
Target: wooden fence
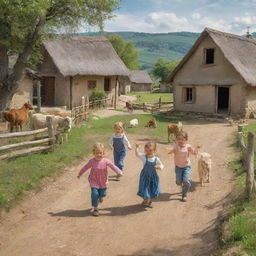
153 107
81 113
248 160
28 147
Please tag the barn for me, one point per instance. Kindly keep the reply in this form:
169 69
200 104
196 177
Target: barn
140 81
73 67
217 75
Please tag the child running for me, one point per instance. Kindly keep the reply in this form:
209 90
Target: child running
98 177
149 185
181 151
117 142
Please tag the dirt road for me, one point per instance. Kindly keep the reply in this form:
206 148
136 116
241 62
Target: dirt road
57 221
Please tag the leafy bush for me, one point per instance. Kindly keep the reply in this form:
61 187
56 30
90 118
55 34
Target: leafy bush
97 94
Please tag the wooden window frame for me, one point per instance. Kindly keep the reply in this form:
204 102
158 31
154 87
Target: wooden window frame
192 96
92 84
205 56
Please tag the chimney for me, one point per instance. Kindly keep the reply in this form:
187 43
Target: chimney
248 34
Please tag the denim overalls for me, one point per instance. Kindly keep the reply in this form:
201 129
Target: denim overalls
119 152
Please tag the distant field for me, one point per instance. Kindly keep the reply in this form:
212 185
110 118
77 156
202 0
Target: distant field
152 97
170 46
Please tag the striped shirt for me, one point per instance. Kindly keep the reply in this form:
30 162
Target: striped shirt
98 177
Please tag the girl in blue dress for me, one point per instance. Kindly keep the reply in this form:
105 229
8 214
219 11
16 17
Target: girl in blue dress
149 185
118 142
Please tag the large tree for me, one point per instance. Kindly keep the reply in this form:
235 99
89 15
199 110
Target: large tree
163 68
25 23
125 50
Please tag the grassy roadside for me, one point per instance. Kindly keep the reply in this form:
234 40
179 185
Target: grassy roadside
25 173
239 231
151 97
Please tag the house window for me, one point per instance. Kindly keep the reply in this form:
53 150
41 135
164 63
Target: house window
209 56
92 84
189 95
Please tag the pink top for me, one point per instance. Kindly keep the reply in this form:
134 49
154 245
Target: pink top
181 155
98 177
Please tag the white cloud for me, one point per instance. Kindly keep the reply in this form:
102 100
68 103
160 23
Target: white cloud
196 16
158 18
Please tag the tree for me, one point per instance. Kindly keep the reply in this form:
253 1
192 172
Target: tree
125 50
163 68
25 23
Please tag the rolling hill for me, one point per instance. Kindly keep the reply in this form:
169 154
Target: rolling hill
170 46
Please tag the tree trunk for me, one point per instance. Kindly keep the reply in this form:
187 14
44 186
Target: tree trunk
4 63
5 98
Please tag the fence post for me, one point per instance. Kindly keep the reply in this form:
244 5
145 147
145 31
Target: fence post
243 148
83 108
51 132
160 102
144 107
250 182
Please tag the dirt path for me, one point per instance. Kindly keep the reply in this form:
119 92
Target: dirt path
56 221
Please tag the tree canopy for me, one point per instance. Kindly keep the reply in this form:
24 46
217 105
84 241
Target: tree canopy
125 50
163 68
25 23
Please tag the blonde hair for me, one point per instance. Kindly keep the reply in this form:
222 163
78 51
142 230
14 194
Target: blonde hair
182 134
119 125
97 147
150 144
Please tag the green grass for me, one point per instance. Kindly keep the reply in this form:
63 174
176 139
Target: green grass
145 97
242 223
25 173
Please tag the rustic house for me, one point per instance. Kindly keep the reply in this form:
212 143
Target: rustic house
74 66
217 75
140 81
27 89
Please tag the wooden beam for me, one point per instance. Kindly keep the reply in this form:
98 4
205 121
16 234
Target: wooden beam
22 134
24 152
26 143
71 92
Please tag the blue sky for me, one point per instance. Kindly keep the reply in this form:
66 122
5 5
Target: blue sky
160 16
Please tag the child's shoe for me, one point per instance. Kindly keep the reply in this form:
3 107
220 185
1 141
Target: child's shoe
184 199
101 199
95 212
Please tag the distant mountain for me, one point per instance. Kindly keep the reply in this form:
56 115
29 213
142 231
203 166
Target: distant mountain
170 46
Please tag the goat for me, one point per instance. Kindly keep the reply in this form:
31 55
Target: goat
18 117
133 123
151 123
174 129
129 106
204 167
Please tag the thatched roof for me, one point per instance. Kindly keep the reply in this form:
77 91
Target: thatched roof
140 77
239 51
85 56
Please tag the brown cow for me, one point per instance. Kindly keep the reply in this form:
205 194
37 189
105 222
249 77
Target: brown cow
18 117
174 129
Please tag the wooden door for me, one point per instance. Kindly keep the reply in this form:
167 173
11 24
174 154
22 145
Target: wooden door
48 91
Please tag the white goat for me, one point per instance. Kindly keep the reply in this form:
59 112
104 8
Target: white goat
60 125
204 167
133 123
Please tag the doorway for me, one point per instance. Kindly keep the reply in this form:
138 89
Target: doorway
48 91
223 99
106 84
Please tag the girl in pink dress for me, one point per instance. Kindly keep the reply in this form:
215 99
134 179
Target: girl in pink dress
98 177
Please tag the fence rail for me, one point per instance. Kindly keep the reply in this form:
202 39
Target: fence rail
153 107
247 159
45 144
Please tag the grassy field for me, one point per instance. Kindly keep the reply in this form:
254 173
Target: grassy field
241 229
152 97
25 173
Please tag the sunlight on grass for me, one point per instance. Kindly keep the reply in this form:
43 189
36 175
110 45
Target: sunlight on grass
143 97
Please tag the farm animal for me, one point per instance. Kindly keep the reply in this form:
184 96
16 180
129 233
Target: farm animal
60 124
18 117
204 166
133 123
151 123
129 106
62 114
230 121
174 129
